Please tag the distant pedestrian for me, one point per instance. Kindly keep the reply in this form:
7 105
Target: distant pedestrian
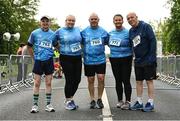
19 61
25 53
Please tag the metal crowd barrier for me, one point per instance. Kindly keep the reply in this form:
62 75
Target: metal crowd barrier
4 73
168 69
27 70
15 72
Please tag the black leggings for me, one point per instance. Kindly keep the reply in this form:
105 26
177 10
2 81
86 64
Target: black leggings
121 68
71 66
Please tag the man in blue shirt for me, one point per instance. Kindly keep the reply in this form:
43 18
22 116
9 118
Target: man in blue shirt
42 40
94 40
144 46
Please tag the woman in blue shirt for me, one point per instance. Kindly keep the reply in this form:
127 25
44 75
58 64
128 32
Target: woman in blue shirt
121 61
70 59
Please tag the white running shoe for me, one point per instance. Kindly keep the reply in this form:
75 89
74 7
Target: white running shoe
126 106
49 108
34 109
119 104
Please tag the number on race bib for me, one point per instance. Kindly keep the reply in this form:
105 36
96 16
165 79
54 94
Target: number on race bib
96 42
115 42
75 47
136 40
45 44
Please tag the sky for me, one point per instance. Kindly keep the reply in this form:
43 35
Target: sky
147 10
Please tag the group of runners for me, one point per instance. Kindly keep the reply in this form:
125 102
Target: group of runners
73 44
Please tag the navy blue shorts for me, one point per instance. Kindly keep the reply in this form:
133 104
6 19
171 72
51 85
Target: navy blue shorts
43 67
145 72
90 70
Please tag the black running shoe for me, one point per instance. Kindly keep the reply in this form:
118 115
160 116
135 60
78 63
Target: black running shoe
92 104
100 104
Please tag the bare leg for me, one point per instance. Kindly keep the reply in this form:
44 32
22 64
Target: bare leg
37 82
91 86
48 80
100 84
150 89
139 88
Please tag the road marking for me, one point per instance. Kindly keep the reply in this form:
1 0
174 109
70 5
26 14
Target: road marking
106 112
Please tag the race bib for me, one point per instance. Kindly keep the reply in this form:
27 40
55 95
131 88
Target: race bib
75 47
136 40
45 44
114 42
95 42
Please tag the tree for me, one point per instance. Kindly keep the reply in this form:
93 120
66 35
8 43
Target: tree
171 29
16 16
54 25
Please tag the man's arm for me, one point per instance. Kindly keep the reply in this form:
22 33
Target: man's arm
152 39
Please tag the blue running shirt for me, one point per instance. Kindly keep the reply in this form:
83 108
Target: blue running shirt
70 41
94 41
119 43
43 42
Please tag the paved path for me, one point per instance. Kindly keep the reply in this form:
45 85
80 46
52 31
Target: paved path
17 105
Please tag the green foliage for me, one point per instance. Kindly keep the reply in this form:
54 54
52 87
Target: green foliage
16 16
171 29
54 25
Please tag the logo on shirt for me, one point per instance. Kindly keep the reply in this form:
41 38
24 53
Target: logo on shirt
136 40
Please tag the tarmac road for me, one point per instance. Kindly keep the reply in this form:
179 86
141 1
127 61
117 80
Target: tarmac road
17 105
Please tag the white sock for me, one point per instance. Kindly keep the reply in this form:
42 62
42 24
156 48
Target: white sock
151 101
139 99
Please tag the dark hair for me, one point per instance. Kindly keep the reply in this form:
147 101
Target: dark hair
22 44
118 15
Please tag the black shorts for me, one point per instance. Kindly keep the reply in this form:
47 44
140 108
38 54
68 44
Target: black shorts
43 67
90 70
145 72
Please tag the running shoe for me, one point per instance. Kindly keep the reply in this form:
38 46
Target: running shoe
126 106
49 108
69 105
100 104
119 104
74 104
137 106
148 107
93 104
35 109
